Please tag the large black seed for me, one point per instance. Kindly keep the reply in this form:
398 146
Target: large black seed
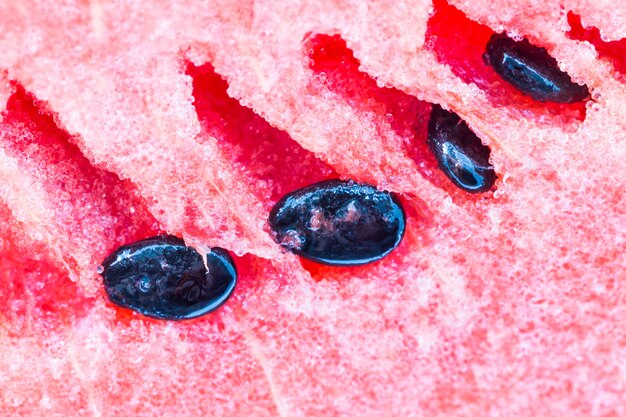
459 152
532 70
340 223
163 278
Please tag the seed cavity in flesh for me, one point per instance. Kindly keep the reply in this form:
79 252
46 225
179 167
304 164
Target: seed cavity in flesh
340 223
459 152
163 278
532 70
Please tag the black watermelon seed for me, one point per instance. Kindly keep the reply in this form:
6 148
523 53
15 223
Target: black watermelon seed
163 278
340 223
532 70
459 152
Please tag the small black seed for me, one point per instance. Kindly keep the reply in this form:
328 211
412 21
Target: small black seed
340 223
532 70
459 152
161 277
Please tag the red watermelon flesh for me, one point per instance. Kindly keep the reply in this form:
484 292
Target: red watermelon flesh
507 303
59 171
613 51
472 38
262 152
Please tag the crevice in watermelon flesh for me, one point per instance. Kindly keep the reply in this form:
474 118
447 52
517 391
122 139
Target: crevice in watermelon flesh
266 154
94 211
335 66
266 158
613 51
272 162
36 296
462 50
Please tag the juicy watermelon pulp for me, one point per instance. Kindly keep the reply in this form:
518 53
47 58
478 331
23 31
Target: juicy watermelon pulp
123 121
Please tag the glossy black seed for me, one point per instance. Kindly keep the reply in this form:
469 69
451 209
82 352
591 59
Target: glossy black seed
532 70
339 223
161 277
459 152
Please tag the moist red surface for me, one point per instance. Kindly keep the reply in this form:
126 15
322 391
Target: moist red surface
336 68
463 48
265 155
508 303
37 298
94 211
613 51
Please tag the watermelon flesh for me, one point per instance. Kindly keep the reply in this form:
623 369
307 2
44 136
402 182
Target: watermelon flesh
57 168
200 117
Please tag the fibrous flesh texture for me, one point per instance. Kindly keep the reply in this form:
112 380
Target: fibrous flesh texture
125 119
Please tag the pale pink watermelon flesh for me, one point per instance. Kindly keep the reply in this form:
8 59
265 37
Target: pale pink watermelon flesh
508 303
